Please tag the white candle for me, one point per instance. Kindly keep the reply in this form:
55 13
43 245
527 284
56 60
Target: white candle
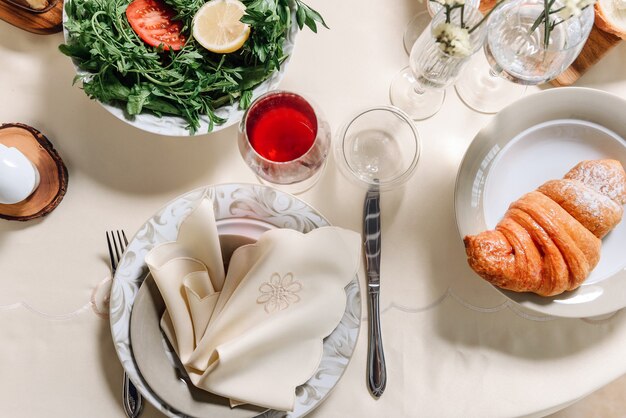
18 176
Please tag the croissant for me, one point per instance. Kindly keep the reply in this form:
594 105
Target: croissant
549 240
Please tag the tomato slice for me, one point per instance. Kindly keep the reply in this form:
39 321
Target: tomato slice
153 21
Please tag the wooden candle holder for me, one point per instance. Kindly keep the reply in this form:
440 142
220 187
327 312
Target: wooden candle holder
52 172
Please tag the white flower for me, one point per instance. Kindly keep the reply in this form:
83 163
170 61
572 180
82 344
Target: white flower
574 8
453 40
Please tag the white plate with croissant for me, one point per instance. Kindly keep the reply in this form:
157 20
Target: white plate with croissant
539 203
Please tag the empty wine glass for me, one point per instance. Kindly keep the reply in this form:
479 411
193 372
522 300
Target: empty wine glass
378 147
517 53
285 139
420 21
419 88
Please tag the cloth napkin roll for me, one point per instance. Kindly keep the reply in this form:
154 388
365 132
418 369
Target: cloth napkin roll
254 334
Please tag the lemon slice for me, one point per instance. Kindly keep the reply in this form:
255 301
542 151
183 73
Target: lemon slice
217 26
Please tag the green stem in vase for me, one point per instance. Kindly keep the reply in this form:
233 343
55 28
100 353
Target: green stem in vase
541 16
546 31
556 10
556 23
462 16
486 16
544 17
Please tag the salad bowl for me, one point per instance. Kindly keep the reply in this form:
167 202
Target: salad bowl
176 126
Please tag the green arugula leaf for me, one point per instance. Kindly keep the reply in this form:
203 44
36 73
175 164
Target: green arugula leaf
138 97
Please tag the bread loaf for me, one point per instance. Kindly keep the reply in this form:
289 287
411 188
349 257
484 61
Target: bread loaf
611 16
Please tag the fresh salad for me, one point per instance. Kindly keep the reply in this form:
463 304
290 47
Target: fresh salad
181 58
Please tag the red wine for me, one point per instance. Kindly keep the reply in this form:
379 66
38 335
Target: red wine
281 127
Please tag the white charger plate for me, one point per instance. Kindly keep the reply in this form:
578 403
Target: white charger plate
244 210
537 139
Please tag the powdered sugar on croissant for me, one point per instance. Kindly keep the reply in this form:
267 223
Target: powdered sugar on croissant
604 176
549 240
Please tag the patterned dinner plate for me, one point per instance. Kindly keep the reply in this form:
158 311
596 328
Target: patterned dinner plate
252 208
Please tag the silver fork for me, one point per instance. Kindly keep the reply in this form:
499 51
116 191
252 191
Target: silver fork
132 399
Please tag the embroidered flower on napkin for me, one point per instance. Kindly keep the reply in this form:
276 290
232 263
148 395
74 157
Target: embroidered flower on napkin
256 334
279 292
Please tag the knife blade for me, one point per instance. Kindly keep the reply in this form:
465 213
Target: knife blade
376 368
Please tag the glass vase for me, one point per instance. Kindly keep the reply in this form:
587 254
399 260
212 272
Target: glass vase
419 89
419 22
516 54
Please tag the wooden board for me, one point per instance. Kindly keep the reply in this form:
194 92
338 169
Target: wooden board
596 47
41 23
53 174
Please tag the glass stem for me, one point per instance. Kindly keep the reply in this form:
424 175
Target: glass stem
418 89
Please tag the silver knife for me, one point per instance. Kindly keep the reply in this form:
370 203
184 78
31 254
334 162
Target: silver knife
376 369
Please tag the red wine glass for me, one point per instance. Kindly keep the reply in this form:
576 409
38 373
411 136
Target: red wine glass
284 139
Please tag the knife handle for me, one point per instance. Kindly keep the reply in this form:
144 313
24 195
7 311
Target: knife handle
376 369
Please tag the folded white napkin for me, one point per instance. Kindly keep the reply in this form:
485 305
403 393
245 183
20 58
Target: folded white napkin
256 334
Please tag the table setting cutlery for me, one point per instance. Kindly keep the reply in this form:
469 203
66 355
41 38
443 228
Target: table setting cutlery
376 367
378 149
132 401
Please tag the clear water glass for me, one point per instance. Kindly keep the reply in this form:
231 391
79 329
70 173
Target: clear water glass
515 53
379 146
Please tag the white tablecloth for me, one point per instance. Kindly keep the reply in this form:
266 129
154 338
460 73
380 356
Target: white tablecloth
454 346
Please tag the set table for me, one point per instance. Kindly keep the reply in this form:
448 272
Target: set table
454 345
